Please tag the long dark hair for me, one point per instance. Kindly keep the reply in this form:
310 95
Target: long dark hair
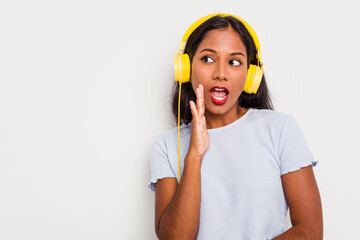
260 100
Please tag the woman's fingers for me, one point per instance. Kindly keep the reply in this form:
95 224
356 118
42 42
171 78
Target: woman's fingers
199 142
204 125
193 109
200 101
198 109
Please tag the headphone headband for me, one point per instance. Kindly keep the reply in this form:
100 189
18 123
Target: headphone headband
196 24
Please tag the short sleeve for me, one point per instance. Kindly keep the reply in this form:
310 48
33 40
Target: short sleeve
294 152
159 162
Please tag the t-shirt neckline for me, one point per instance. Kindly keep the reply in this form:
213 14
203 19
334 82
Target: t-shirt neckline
236 122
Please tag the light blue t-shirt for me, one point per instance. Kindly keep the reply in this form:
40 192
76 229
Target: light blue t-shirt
241 191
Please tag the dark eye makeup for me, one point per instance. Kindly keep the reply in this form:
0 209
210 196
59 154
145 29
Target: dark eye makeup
207 59
233 62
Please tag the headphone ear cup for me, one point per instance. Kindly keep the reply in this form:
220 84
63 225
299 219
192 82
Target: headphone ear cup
253 79
181 68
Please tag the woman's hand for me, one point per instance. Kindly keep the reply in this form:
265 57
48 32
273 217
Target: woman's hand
200 140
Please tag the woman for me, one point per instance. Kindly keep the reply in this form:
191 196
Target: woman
243 164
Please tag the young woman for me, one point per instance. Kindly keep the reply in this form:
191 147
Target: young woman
242 165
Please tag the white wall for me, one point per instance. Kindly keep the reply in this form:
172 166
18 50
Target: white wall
84 87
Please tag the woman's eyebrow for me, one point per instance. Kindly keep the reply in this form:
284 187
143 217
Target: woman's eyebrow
208 49
211 50
238 53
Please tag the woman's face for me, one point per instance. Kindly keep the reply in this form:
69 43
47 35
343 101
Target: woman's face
220 61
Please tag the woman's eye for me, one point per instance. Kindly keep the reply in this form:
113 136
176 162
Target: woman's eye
235 62
207 59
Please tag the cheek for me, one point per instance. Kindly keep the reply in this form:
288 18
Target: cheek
243 73
240 83
198 73
242 76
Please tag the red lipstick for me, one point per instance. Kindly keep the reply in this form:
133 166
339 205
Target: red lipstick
219 98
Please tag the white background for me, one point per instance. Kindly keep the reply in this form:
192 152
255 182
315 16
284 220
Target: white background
84 89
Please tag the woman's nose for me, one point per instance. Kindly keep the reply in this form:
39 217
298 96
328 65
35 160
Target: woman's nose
220 71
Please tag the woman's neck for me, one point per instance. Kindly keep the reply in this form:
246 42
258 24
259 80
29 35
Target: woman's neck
217 121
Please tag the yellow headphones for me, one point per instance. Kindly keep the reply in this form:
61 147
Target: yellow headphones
182 65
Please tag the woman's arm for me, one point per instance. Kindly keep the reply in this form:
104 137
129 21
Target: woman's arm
177 208
303 198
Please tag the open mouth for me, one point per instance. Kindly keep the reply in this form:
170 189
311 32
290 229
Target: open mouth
219 93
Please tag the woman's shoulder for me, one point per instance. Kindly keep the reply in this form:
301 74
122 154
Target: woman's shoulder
170 134
267 114
268 117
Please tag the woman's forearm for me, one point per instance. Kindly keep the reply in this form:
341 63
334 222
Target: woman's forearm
181 219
